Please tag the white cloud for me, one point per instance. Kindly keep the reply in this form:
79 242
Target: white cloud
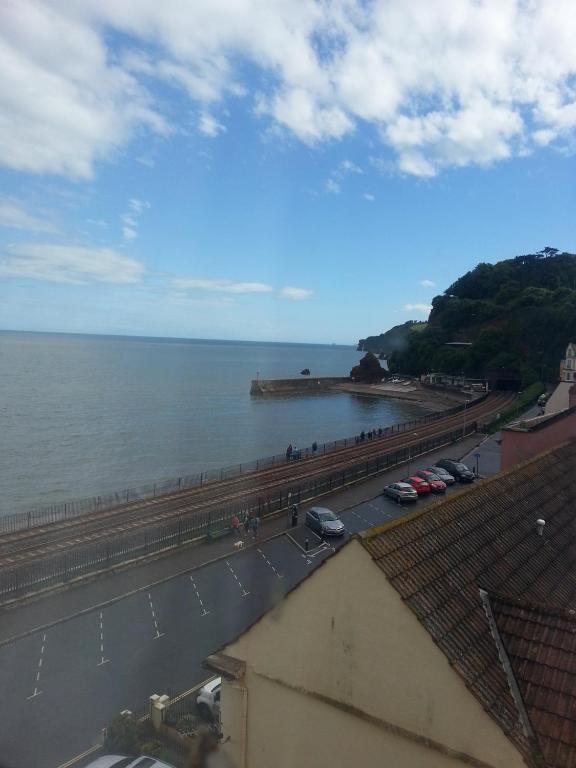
15 216
223 286
131 219
423 309
68 264
427 283
295 294
332 186
209 126
369 197
459 82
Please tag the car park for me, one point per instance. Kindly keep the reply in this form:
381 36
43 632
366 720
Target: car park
437 485
401 492
324 522
443 474
208 699
120 761
460 471
420 486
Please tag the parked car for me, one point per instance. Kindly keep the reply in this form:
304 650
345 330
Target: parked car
443 474
401 492
118 761
456 468
420 486
437 485
208 700
324 522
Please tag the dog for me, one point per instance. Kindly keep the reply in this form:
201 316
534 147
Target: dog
238 544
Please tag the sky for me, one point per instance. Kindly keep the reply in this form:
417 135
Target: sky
276 170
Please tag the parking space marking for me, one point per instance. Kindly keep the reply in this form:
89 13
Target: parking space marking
245 593
158 633
278 575
367 522
40 661
204 611
102 659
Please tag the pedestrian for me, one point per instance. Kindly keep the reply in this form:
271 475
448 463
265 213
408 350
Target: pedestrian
289 452
246 524
362 436
294 510
255 525
236 526
379 431
314 446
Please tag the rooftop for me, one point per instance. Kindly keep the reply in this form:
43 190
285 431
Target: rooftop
485 539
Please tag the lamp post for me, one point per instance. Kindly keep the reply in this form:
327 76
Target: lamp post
414 434
464 419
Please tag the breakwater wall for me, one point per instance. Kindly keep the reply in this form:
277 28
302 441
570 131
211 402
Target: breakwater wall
304 385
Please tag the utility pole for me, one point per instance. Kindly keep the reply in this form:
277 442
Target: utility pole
464 421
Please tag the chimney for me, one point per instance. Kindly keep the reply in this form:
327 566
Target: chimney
540 526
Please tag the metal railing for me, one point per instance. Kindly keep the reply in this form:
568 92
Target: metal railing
18 581
67 510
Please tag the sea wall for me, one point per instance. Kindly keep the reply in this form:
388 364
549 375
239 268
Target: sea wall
295 386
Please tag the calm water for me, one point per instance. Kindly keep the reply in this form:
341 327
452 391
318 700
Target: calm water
82 415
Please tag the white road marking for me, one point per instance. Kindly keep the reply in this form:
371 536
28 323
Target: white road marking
245 592
102 659
40 660
278 575
204 611
158 633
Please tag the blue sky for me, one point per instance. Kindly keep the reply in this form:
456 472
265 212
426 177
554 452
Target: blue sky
289 171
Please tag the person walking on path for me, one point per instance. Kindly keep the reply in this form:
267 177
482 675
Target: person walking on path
246 524
294 515
289 452
236 526
255 525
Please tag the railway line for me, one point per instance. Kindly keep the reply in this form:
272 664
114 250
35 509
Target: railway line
38 543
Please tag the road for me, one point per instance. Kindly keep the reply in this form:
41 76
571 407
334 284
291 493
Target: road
62 684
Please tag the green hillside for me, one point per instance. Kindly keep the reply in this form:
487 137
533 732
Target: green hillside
519 313
396 339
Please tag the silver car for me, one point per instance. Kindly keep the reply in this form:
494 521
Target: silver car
442 474
324 522
401 492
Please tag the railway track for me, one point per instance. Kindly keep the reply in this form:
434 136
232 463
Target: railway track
42 542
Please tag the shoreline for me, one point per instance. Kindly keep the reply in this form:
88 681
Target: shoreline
412 393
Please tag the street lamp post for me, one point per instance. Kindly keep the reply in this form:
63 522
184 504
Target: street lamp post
414 434
464 420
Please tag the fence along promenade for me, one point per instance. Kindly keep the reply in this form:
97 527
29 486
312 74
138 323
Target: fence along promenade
67 510
18 581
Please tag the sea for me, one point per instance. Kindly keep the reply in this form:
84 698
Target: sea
84 415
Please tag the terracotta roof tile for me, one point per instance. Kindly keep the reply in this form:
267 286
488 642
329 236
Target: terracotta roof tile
486 538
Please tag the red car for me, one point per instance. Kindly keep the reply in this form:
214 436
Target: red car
437 485
420 486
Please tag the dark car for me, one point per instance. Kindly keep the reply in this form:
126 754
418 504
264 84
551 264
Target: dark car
437 485
401 492
324 522
460 471
445 476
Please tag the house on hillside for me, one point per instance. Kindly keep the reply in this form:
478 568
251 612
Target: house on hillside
568 365
446 638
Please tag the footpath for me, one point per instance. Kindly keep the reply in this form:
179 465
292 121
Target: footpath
108 587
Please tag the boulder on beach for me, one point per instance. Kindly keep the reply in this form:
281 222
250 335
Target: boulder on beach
305 372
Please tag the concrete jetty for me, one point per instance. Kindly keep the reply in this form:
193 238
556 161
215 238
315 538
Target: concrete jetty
305 385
